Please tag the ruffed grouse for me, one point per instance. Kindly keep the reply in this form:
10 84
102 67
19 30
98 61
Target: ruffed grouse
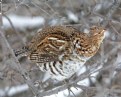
62 50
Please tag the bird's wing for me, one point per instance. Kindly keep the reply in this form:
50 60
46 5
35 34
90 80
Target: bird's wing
43 58
50 49
51 46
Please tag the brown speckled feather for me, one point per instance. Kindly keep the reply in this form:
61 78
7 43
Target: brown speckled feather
63 31
62 50
51 42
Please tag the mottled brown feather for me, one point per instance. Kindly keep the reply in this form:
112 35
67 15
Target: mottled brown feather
41 44
51 42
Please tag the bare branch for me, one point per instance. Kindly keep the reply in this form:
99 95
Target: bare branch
20 69
20 37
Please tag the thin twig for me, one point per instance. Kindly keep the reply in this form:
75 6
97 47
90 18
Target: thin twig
20 37
112 26
20 69
40 8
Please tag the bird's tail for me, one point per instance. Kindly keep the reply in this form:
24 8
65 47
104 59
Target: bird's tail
21 51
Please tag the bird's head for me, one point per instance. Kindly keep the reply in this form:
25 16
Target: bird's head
88 45
97 34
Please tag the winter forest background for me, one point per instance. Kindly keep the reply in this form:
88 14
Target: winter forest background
19 21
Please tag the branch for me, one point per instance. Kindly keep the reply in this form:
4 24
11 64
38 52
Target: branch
20 69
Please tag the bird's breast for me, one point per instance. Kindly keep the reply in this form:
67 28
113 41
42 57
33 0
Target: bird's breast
61 70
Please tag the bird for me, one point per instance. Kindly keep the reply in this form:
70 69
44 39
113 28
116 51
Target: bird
62 50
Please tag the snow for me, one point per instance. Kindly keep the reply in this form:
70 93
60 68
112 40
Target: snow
10 91
23 21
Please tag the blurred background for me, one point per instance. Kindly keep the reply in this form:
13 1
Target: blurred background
19 22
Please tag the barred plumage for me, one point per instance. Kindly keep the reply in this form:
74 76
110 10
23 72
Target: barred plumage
62 50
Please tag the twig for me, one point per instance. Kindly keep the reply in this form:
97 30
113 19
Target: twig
40 8
110 13
20 37
72 92
112 10
20 69
94 89
112 26
85 87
